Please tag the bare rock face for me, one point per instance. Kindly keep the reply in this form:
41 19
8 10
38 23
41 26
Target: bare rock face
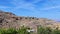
10 20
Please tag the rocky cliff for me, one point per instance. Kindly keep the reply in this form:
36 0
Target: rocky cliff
10 20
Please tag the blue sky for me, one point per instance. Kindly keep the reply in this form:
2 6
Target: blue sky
38 8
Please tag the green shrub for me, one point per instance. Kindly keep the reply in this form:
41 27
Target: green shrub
2 31
40 30
23 30
8 31
11 31
56 31
47 30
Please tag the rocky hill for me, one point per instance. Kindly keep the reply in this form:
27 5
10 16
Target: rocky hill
10 20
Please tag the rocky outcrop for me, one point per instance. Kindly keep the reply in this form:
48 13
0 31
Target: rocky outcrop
10 20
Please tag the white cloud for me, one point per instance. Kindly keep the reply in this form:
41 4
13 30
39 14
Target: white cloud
36 1
30 6
4 7
49 8
21 4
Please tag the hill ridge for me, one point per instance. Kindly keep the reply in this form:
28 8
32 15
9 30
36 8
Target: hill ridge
10 20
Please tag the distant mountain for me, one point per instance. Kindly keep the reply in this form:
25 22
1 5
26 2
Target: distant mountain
10 20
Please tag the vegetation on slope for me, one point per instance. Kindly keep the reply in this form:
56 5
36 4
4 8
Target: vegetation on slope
23 30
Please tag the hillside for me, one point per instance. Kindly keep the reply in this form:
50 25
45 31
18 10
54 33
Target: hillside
10 20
